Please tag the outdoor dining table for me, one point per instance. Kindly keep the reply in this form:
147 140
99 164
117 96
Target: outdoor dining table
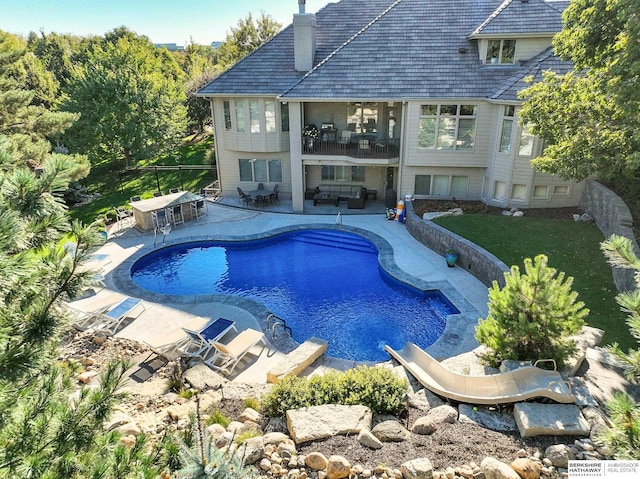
264 193
143 210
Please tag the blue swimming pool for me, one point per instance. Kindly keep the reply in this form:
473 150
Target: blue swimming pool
324 283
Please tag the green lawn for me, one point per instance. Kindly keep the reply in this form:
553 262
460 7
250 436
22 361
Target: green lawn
572 247
115 188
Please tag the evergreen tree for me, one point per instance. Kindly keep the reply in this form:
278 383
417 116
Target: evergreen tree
619 253
623 437
532 316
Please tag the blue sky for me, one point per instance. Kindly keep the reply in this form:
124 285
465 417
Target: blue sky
163 21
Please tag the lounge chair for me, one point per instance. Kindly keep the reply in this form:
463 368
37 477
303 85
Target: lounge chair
225 357
509 387
199 342
108 320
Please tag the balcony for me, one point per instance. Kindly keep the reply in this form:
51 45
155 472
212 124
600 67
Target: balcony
363 146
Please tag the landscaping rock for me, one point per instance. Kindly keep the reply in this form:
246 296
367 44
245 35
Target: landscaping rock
319 422
443 414
420 468
526 468
252 450
424 425
338 467
86 377
252 415
494 420
559 455
494 469
297 360
535 419
367 439
316 461
424 399
390 431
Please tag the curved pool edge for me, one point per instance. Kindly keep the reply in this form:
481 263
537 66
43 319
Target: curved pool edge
454 339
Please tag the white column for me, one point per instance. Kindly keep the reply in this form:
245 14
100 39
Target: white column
295 149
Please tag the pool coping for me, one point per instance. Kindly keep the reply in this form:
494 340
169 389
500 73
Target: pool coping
456 338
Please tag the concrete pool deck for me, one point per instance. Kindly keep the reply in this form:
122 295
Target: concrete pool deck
164 316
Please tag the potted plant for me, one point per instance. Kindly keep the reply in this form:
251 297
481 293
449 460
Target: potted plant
451 256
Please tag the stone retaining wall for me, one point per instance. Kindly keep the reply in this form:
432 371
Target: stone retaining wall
478 261
612 217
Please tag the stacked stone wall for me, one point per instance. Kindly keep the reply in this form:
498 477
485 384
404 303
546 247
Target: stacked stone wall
612 216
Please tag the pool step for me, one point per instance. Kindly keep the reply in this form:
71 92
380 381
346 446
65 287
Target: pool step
335 240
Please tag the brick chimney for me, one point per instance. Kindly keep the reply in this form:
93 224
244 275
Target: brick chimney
304 38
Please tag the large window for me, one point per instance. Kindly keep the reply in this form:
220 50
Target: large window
501 51
342 173
270 116
254 116
526 142
362 117
447 127
441 185
284 116
267 171
240 116
507 128
227 115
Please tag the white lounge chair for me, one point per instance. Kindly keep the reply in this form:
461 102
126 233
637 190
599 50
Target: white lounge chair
225 357
513 386
109 318
199 343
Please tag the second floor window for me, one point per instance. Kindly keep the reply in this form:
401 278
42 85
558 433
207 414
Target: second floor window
447 127
270 116
240 116
227 115
501 52
254 117
507 128
284 116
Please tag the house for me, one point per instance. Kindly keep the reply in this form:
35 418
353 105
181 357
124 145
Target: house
416 95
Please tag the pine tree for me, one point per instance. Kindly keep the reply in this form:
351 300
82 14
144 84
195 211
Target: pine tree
532 316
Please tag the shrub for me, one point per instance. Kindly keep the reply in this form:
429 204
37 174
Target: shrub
532 316
375 387
623 437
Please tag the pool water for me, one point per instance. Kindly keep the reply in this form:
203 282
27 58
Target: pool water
324 283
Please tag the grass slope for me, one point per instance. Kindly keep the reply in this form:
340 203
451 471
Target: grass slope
572 247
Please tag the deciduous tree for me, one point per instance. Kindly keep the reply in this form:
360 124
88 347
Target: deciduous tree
246 37
589 118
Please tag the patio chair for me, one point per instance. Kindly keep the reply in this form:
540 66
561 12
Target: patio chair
110 319
225 357
160 218
123 215
274 197
345 139
174 190
364 147
197 208
135 198
509 387
157 194
177 216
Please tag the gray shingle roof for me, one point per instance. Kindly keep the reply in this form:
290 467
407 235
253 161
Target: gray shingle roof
380 50
518 16
545 61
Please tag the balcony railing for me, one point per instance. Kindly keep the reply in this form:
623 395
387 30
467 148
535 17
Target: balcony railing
358 147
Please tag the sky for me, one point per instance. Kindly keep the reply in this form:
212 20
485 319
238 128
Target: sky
163 21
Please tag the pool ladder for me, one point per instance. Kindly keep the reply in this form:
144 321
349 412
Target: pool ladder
274 322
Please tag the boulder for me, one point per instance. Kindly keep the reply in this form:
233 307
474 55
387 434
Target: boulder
494 469
215 430
86 377
250 414
535 419
559 455
367 439
424 399
316 461
443 414
319 422
494 420
526 468
417 469
338 467
274 438
390 431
